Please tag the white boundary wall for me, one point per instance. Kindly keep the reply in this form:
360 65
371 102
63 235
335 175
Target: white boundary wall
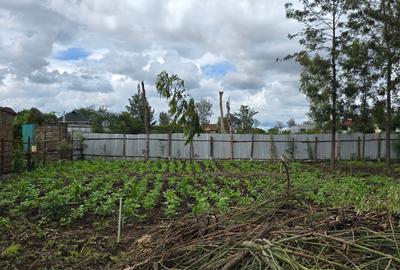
220 146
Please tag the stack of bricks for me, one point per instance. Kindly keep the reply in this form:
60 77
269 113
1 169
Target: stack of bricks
6 139
49 139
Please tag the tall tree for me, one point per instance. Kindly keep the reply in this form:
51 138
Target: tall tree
203 108
279 125
164 119
359 79
379 22
32 116
315 84
324 30
181 104
244 119
123 123
291 122
136 108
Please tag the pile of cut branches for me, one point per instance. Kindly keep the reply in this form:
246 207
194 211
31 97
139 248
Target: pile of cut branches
283 233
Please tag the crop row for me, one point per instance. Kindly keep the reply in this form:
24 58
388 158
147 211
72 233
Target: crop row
71 191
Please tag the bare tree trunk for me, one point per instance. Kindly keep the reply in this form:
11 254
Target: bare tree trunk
222 126
388 116
145 121
228 111
334 96
388 97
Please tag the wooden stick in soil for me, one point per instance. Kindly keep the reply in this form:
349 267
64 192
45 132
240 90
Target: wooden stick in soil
119 220
283 160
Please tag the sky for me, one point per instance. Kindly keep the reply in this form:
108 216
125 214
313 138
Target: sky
58 55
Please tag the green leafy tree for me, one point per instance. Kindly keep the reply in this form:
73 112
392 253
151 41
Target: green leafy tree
315 84
379 23
32 116
291 122
244 120
164 119
181 105
359 79
136 108
124 123
324 31
99 118
279 125
203 108
103 120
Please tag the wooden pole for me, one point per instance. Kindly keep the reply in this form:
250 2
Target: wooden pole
211 148
72 146
169 145
222 126
2 156
379 147
232 147
316 148
81 148
146 124
124 147
293 149
338 145
191 151
44 145
252 146
271 146
29 154
359 148
363 147
228 111
119 220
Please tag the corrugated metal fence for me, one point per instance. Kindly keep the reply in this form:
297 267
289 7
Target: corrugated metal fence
237 146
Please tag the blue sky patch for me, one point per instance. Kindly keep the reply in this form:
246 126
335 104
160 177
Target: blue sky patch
218 70
72 54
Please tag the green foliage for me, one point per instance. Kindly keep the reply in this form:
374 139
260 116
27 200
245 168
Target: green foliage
66 192
244 121
11 251
64 150
31 116
136 109
164 119
103 120
172 202
181 106
273 131
203 109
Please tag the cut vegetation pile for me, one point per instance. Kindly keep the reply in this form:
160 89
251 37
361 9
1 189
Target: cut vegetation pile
206 215
271 235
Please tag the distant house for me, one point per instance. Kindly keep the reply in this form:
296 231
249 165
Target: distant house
210 128
76 121
302 128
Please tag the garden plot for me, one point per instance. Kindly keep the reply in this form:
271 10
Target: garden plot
65 215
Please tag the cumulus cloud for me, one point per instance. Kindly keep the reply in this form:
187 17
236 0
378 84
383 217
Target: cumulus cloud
62 54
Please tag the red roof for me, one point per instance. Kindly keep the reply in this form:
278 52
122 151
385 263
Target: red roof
8 110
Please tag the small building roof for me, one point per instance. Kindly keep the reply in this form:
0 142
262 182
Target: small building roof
8 110
75 117
210 127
